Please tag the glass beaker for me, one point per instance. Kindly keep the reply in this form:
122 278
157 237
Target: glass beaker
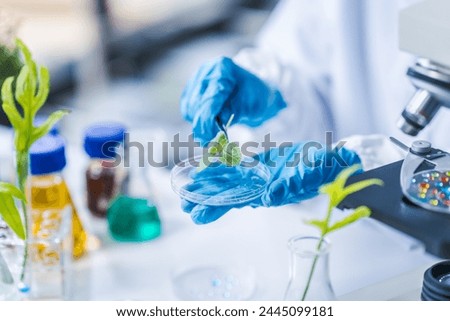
309 274
48 267
50 256
10 263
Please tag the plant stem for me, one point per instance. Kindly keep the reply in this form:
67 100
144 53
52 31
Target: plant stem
313 267
22 174
316 257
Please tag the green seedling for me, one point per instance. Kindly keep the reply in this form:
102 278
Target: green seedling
29 90
337 191
228 153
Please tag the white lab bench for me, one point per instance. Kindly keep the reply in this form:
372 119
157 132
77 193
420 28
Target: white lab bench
368 260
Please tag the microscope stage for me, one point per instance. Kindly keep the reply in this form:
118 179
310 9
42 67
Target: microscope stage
390 206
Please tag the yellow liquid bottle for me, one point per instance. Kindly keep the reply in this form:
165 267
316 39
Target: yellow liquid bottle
49 193
49 196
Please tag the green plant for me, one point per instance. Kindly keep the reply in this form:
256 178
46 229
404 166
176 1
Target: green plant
31 90
337 191
228 153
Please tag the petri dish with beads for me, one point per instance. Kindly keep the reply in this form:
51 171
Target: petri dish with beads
218 184
431 190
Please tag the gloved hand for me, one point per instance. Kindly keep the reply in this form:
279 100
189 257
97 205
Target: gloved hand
222 88
295 176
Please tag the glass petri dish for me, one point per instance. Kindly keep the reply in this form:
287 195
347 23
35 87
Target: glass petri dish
215 283
219 184
430 189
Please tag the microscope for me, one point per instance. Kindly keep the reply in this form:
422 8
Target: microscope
415 196
424 31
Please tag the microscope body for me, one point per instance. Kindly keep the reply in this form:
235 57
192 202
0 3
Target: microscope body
424 31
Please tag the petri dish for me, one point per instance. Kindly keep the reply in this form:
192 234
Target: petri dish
430 189
219 184
215 283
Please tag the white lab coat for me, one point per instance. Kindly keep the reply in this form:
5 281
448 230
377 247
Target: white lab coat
338 66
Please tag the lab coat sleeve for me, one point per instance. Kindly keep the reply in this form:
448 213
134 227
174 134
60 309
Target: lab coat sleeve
292 52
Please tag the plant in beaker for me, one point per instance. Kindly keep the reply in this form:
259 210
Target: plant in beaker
337 191
30 90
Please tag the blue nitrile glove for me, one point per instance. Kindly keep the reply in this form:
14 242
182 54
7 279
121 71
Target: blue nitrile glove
288 184
222 88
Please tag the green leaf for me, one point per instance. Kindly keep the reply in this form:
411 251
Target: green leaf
343 176
44 88
42 130
11 215
355 187
26 83
335 189
231 155
215 149
25 51
228 153
321 225
9 106
24 94
221 140
359 213
28 61
8 188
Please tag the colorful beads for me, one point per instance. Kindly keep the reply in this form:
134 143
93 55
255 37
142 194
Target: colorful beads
431 188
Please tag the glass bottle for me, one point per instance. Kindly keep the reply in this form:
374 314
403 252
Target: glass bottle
133 217
10 263
49 189
106 177
309 274
56 232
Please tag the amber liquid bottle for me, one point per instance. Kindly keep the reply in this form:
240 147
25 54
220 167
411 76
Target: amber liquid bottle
48 192
105 178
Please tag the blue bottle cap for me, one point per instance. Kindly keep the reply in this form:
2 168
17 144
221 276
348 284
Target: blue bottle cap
47 155
101 140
